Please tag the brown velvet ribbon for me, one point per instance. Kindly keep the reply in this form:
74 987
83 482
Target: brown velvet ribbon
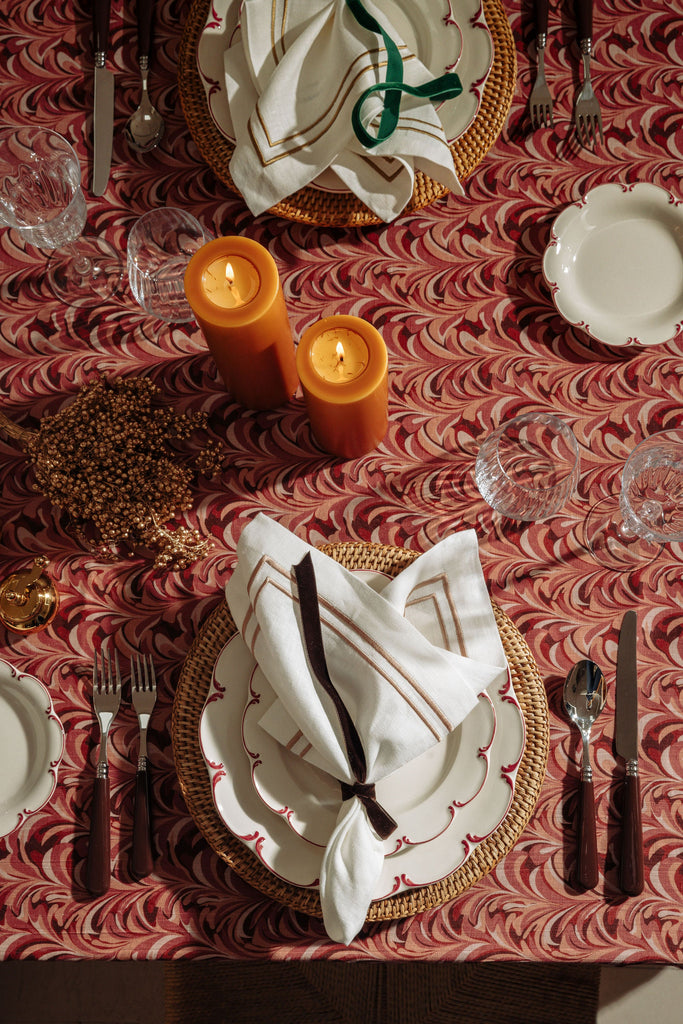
381 821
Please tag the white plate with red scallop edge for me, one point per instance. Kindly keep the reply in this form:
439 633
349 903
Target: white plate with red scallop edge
436 850
443 38
423 797
31 747
614 264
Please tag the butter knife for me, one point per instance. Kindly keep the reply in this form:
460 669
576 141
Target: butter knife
103 112
631 865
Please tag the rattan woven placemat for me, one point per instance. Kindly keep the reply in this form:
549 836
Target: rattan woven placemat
193 688
313 206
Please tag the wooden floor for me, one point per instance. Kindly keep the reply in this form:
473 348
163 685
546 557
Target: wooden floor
132 993
81 993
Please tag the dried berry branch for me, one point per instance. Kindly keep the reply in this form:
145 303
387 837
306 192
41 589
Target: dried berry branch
104 459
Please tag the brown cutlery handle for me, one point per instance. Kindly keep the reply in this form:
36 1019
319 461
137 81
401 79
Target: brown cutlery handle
145 14
100 16
584 18
142 862
98 872
631 867
541 17
587 867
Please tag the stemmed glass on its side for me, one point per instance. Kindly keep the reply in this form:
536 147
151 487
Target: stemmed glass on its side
528 467
628 530
41 197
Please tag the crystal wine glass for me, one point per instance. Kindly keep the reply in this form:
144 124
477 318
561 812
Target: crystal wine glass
648 513
41 197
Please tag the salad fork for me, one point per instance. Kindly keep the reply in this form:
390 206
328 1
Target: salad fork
106 700
587 116
540 101
144 693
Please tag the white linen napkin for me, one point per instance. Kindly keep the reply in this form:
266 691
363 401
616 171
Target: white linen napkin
293 76
406 680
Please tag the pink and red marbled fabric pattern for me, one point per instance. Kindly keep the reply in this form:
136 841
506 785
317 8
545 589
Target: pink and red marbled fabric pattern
473 338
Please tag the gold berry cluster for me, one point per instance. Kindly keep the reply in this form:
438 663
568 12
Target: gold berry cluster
105 459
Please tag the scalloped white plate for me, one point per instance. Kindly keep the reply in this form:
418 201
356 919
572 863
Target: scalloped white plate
31 746
290 856
444 39
614 264
423 797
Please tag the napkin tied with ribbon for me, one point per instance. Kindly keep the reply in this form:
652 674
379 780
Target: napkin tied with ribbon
306 88
401 691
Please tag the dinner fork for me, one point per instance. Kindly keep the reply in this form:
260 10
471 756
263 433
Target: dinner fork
587 116
540 101
144 692
106 700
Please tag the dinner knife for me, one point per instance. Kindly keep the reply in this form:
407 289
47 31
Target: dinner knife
103 108
631 865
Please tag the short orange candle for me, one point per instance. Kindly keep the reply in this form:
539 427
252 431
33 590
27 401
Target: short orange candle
233 287
343 368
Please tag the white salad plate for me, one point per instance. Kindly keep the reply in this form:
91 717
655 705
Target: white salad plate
442 38
465 810
31 746
614 264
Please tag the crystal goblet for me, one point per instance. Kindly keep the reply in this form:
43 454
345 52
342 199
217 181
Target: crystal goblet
631 529
41 197
528 467
160 246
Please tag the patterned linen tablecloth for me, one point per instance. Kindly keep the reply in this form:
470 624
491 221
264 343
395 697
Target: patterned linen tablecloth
473 338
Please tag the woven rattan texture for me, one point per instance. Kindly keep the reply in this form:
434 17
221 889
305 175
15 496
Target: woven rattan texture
310 205
193 687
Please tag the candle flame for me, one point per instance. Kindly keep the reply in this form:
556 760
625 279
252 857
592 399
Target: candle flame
229 275
340 352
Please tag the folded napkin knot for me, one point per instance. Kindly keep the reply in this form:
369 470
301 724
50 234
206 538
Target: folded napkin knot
446 87
381 821
308 85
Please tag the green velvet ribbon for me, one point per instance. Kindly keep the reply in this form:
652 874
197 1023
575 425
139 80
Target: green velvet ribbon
446 87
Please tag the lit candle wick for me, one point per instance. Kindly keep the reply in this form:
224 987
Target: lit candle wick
230 281
340 357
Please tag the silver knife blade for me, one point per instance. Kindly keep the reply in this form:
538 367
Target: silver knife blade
631 865
103 107
626 739
103 129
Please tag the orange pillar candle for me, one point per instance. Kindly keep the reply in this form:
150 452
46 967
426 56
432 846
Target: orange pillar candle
343 368
233 287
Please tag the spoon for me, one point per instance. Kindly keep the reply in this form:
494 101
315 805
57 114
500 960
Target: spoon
584 699
145 126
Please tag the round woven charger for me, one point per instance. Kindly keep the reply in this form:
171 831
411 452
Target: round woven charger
193 689
312 206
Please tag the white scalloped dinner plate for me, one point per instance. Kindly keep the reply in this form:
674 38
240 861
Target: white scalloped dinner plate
295 859
614 264
444 40
423 797
31 746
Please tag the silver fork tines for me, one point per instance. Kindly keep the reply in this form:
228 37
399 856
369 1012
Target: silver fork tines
144 693
540 101
587 117
106 701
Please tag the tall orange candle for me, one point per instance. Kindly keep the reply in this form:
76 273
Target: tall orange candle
233 287
343 368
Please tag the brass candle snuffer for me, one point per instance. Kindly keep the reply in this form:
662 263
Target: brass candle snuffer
28 599
104 460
